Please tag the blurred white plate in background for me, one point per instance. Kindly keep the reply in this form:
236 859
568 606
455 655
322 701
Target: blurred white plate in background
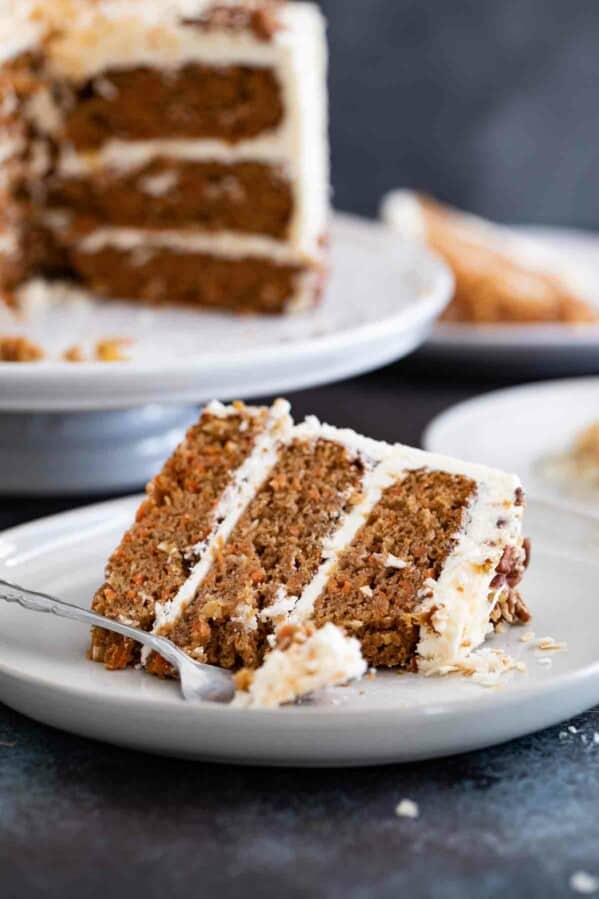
44 671
532 349
517 429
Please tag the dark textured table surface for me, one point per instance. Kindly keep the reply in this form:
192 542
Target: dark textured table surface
80 819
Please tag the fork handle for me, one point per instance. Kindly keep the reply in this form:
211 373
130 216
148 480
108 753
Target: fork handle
42 602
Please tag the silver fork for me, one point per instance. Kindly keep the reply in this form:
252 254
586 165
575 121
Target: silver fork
198 682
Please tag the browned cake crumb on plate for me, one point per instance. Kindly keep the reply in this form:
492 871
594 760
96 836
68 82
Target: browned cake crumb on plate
108 349
19 349
113 349
75 353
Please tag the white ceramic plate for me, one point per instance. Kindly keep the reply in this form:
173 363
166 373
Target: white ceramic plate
517 429
382 302
533 349
44 672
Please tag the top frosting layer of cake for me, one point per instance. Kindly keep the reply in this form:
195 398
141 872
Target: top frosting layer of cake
81 38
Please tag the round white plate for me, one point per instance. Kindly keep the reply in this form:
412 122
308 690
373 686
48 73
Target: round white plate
44 671
518 428
382 302
533 349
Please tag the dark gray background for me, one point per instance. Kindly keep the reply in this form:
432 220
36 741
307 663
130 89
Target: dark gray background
489 104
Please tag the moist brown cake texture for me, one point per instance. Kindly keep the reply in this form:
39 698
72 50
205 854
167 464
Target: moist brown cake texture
153 559
277 542
231 103
249 197
250 284
416 520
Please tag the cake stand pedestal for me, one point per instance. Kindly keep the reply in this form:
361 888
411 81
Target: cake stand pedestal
87 452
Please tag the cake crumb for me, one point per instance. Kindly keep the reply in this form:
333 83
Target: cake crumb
584 883
544 660
527 637
74 354
548 644
109 349
407 808
112 349
19 349
395 562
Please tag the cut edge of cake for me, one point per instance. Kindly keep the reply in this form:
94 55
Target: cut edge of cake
427 606
108 188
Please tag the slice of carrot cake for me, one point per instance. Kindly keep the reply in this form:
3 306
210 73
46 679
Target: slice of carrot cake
501 275
281 550
165 151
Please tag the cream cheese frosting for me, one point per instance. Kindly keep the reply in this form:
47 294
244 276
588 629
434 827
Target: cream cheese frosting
326 658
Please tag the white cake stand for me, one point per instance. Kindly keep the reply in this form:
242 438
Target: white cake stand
95 427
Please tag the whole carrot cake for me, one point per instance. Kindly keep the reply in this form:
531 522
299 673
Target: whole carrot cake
297 554
172 151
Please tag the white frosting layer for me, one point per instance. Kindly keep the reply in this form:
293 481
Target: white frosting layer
234 501
461 594
8 242
126 156
460 597
222 243
10 147
17 35
401 210
313 429
126 35
325 659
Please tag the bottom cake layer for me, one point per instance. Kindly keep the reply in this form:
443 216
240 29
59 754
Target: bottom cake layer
161 275
166 276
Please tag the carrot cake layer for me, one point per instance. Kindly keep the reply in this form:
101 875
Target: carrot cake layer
167 116
160 275
231 103
246 197
405 541
277 542
414 557
181 508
